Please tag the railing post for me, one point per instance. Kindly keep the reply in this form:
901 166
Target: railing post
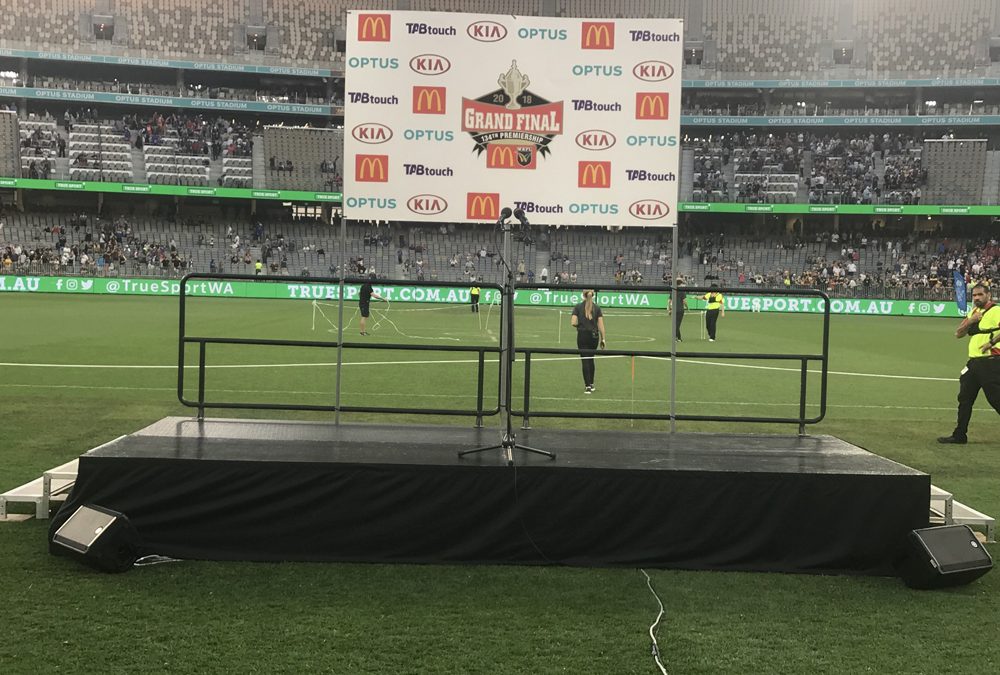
526 421
479 389
201 381
802 397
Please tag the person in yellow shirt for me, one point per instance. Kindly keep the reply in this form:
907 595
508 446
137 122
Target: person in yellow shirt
982 327
714 308
474 298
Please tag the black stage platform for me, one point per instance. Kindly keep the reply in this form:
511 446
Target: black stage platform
271 490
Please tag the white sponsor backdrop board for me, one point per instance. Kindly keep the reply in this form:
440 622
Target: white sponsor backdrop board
452 117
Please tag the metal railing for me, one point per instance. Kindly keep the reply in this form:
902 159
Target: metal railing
202 402
804 359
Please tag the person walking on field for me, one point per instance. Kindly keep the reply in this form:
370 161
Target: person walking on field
588 319
714 310
982 371
678 311
474 292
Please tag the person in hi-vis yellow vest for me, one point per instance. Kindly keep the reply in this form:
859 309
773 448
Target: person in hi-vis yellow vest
474 298
982 370
714 308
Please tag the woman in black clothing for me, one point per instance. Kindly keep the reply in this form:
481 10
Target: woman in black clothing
588 320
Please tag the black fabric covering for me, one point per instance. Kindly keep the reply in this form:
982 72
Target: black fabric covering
244 498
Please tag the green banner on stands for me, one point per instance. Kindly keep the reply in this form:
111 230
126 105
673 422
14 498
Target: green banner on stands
838 120
169 101
167 63
318 291
842 84
175 190
843 209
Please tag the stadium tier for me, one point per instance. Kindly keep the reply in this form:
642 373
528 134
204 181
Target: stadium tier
894 263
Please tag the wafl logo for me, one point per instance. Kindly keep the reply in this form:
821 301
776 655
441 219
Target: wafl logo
653 71
427 205
596 139
487 31
430 64
372 133
649 209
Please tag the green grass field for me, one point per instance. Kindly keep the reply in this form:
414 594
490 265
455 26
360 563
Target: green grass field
79 371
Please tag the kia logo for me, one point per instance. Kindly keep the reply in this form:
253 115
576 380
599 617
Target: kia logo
487 31
649 209
427 205
430 64
372 133
595 139
653 71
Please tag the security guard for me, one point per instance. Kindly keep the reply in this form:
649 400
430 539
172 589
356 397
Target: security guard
474 299
982 326
714 309
259 267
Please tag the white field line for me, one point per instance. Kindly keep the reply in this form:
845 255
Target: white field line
465 361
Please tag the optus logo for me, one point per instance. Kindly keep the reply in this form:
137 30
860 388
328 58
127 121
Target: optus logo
430 64
427 205
649 209
487 31
595 139
653 71
372 133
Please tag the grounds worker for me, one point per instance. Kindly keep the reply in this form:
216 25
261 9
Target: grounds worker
678 311
713 310
982 326
474 298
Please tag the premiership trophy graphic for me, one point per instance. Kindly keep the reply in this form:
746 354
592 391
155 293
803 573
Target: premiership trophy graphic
513 83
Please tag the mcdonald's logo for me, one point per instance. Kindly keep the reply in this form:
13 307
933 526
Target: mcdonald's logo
482 205
594 174
597 35
371 168
374 27
651 105
429 100
505 156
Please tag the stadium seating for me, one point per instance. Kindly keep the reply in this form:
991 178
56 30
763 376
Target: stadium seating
307 148
10 142
955 170
675 9
769 36
182 28
923 37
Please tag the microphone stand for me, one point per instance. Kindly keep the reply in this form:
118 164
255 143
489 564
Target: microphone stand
508 443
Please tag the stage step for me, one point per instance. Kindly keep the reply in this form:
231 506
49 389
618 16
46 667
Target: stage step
54 486
945 510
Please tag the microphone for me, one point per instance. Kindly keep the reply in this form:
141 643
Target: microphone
504 215
521 218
